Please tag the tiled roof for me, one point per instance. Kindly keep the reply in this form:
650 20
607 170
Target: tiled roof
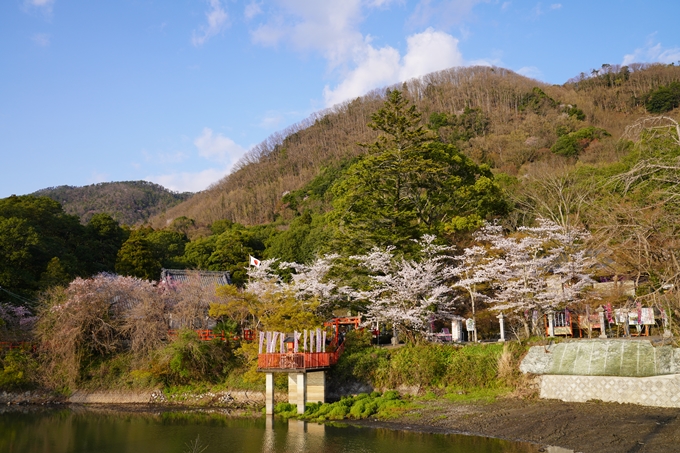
208 278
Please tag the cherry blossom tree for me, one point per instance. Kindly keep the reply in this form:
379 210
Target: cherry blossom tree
536 269
406 293
472 272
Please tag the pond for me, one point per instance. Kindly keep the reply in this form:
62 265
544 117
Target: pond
86 429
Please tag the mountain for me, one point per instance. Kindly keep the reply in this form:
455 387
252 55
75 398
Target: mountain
493 115
129 202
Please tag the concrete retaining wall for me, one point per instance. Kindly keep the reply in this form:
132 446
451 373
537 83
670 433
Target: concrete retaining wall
660 391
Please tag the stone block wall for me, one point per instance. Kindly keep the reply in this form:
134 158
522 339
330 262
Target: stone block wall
660 391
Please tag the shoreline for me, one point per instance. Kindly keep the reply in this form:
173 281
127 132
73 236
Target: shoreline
582 427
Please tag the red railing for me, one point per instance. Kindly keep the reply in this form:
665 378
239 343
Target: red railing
203 335
298 360
9 345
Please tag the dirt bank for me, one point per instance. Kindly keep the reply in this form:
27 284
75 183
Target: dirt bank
582 427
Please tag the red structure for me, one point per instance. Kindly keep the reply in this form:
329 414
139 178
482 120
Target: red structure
286 361
204 335
347 323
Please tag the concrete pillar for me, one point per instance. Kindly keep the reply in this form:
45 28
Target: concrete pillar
292 388
301 392
551 324
316 387
269 394
603 332
501 321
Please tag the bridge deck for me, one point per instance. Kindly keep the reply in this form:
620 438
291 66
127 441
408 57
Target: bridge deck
301 361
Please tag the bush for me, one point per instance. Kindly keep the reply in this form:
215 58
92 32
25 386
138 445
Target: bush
187 359
18 370
663 99
573 143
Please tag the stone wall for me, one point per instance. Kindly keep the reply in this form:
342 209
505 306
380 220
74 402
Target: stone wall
660 391
621 371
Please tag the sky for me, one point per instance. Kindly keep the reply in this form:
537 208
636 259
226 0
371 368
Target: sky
175 92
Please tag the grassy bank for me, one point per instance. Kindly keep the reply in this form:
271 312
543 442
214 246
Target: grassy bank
188 366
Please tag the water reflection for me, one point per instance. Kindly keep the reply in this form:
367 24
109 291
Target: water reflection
78 429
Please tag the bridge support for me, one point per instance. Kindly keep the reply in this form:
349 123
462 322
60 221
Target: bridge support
304 387
269 394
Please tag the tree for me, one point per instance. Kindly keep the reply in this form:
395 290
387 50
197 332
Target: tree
407 185
407 293
539 268
268 302
374 203
136 258
33 231
146 252
105 238
85 322
472 272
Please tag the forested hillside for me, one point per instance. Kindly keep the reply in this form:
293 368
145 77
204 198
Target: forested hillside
440 156
128 202
492 115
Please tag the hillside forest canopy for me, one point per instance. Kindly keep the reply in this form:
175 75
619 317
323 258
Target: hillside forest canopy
467 192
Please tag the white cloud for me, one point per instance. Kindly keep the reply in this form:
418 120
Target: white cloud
505 6
41 39
653 53
217 19
217 147
426 52
252 9
530 71
43 5
330 28
556 6
188 181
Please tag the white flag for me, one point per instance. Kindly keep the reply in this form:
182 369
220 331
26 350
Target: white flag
254 261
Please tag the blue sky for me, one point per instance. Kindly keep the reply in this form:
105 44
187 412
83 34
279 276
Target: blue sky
175 92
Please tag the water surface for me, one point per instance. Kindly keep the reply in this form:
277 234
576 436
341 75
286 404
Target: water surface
80 429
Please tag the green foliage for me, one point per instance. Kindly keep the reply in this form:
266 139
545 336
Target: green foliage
663 99
187 359
105 238
576 112
428 366
33 231
18 370
146 252
406 186
300 243
227 251
537 101
357 407
574 143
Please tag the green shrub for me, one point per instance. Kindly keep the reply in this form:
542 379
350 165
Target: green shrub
187 359
18 370
573 143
